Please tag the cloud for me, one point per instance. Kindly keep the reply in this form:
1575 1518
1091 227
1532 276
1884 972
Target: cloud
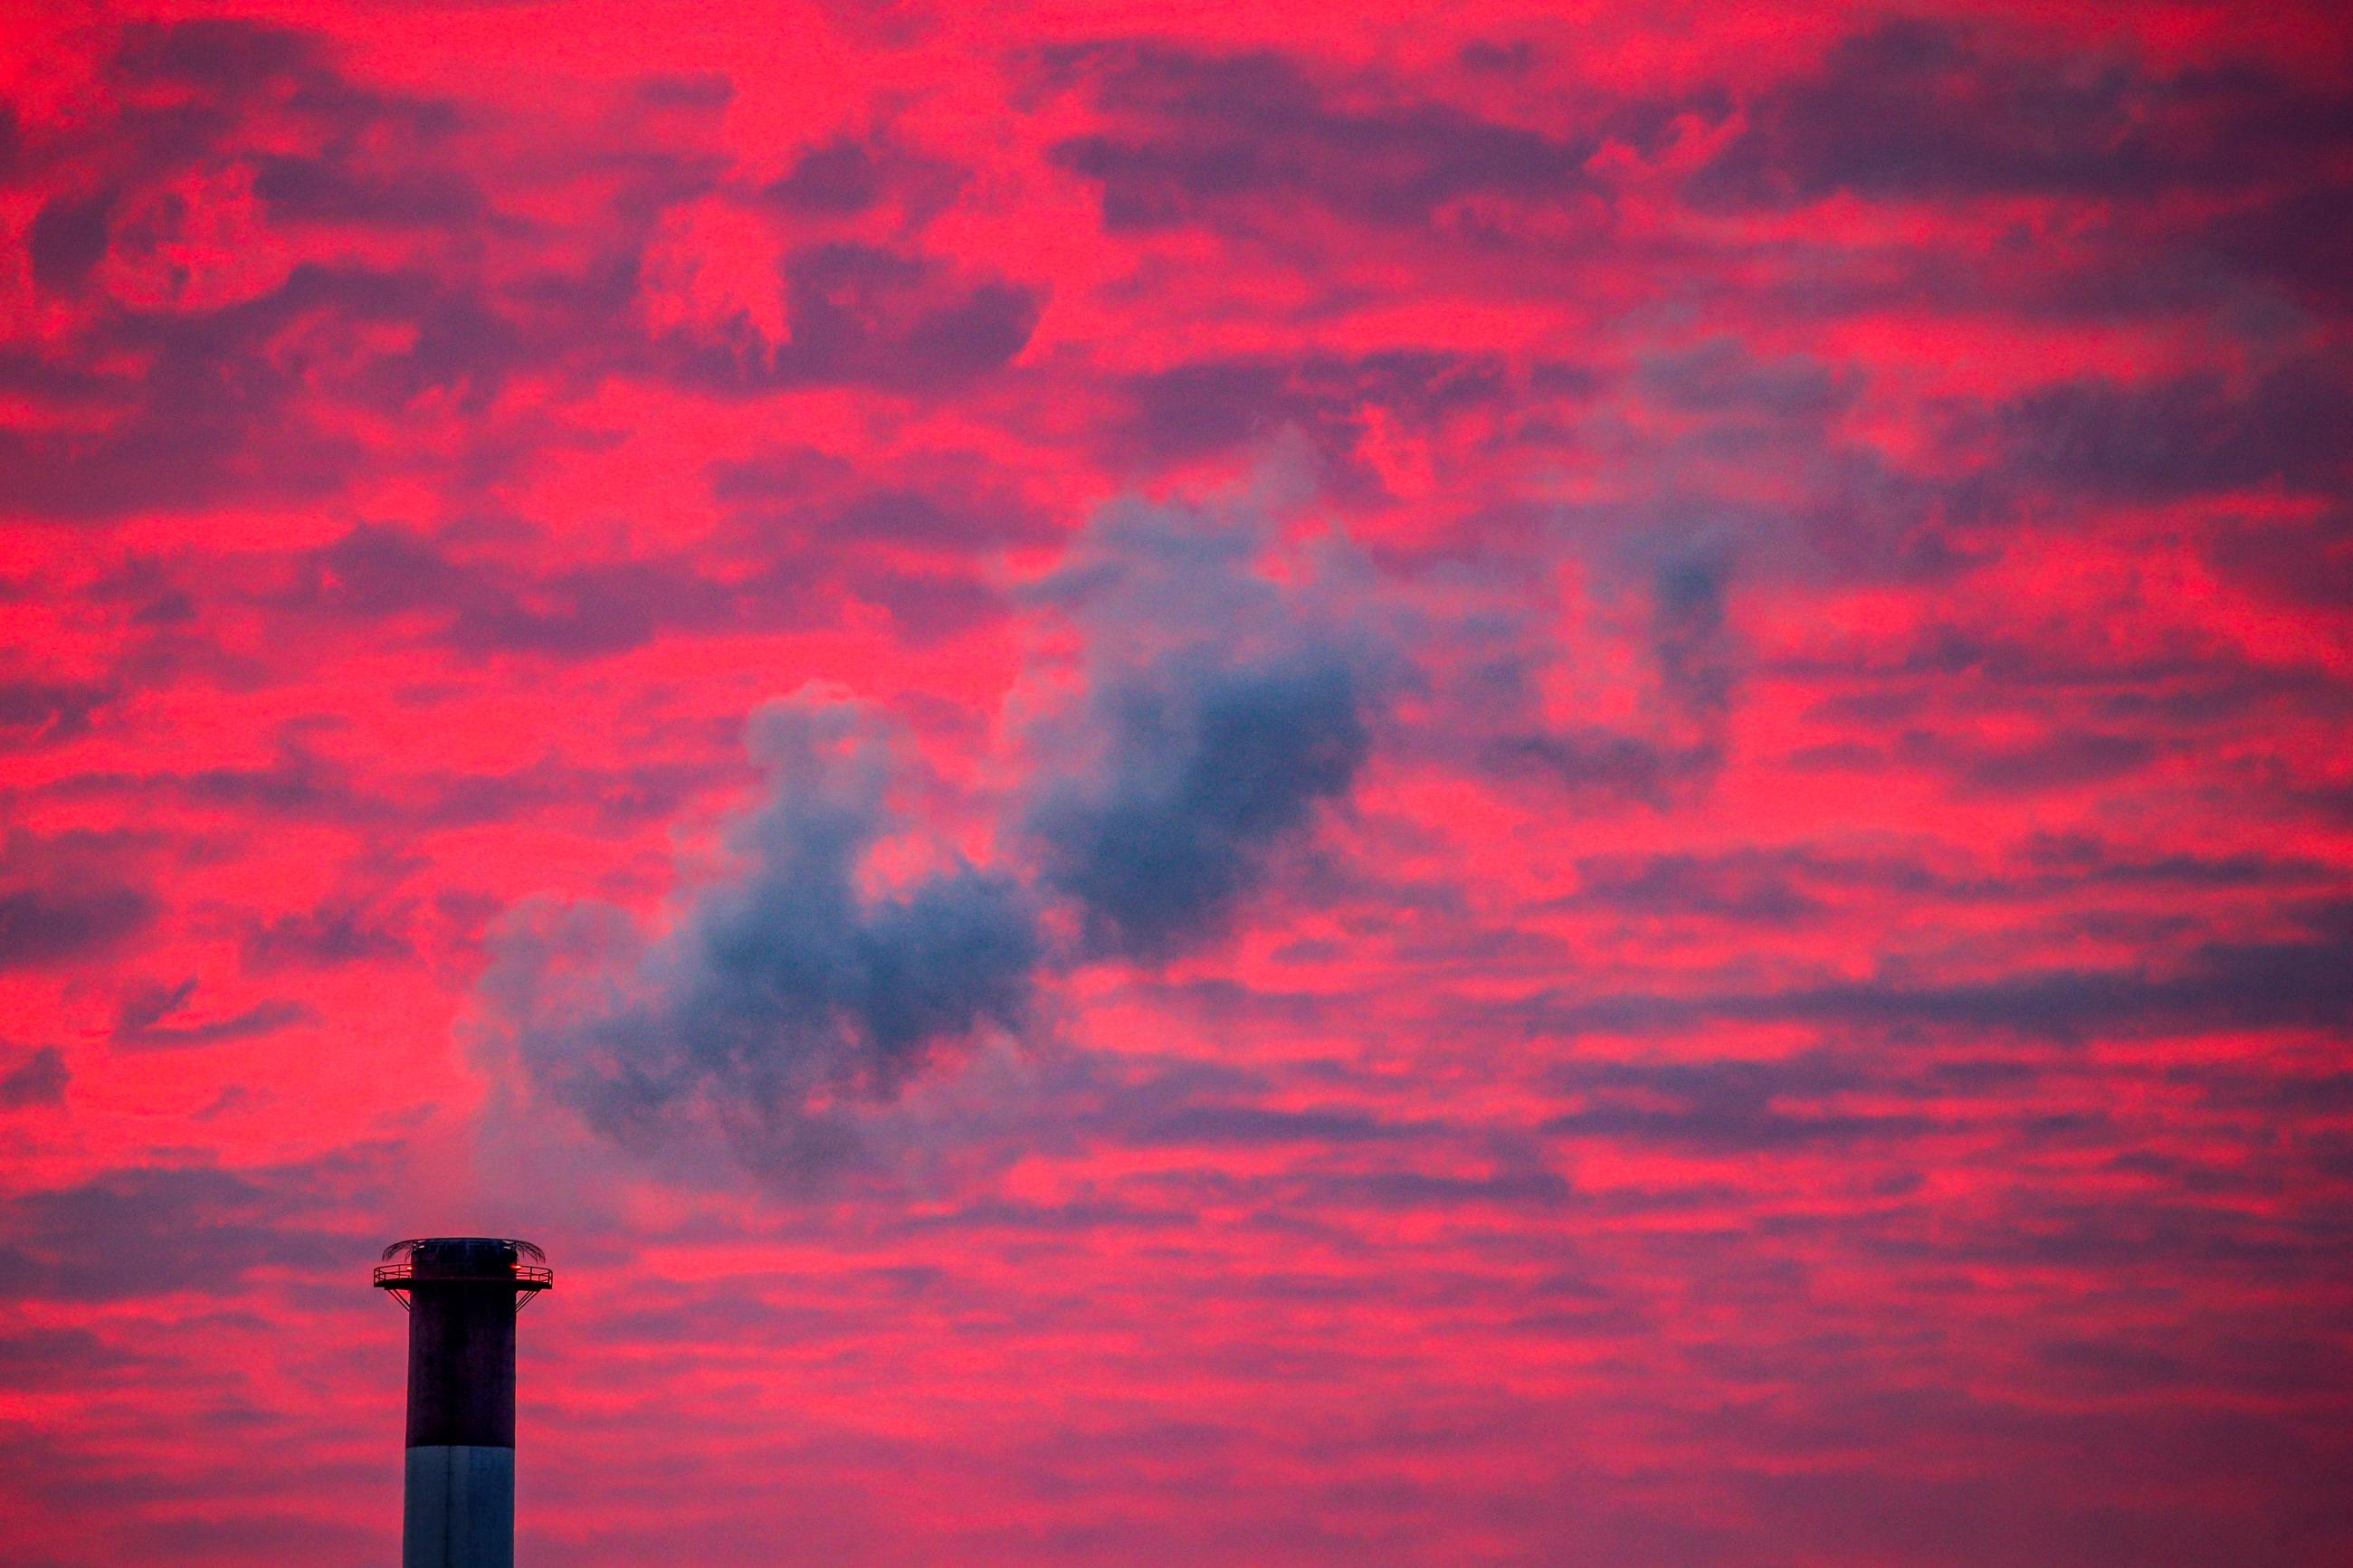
784 993
227 55
1748 885
2308 563
2051 763
1804 882
220 413
68 239
47 713
332 190
152 1230
1921 108
140 1018
1599 766
2299 982
60 1359
836 180
1193 136
1221 710
39 1080
1260 1126
1680 744
1206 405
1723 378
1730 1107
484 607
862 315
290 246
2300 240
341 931
2190 435
41 926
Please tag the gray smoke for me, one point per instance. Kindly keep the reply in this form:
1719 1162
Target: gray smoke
1223 708
1691 637
783 994
1220 701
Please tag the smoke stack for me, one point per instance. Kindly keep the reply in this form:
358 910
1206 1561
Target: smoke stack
462 1294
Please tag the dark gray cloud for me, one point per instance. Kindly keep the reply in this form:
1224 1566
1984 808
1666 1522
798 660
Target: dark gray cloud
1413 1191
1799 881
302 785
1207 405
485 607
2065 760
2191 434
1193 137
39 1080
1722 377
862 315
68 922
330 190
783 994
341 931
227 55
1504 59
817 506
2305 981
914 519
2308 563
1730 1107
920 548
699 90
837 179
144 1018
60 1359
45 712
1599 766
2300 240
779 566
1696 660
1747 886
261 1018
2060 760
1213 1125
156 1231
1927 109
68 239
217 414
239 401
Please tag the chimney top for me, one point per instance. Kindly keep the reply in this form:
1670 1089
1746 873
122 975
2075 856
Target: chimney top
463 1259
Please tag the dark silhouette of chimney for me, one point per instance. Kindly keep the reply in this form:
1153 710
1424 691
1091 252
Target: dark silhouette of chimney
462 1294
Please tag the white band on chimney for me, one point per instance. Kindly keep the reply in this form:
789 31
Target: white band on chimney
460 1508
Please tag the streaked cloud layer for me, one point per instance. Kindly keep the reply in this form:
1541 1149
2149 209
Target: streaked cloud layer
1270 789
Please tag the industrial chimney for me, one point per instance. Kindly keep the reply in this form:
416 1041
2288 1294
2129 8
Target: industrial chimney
462 1294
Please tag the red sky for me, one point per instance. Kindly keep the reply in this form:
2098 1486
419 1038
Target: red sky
1468 786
